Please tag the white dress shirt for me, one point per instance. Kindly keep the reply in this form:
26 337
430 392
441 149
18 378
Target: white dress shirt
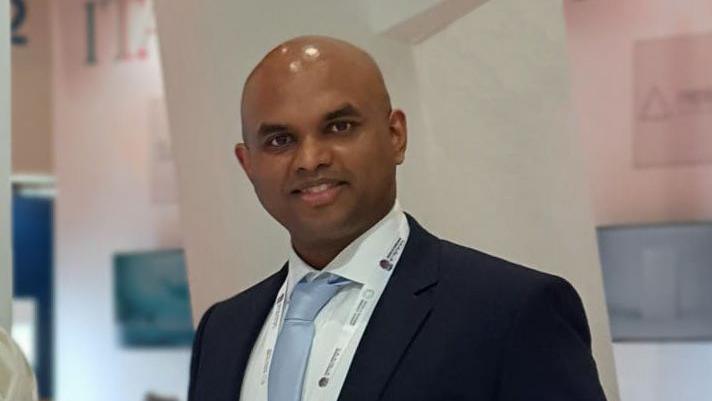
360 263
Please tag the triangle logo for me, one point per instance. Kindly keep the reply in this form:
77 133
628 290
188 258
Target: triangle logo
655 107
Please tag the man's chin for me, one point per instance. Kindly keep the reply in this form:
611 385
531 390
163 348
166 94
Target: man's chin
324 227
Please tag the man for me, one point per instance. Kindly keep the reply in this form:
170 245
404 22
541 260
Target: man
370 306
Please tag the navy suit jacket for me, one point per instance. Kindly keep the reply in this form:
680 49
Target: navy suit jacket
452 324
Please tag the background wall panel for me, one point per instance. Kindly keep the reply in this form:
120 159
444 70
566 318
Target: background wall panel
604 38
602 42
104 153
31 101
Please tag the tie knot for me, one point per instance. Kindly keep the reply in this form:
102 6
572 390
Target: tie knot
309 297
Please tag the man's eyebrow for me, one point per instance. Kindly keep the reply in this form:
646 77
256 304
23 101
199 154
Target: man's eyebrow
348 110
267 128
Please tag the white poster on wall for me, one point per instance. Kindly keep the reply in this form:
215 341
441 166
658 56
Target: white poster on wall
673 100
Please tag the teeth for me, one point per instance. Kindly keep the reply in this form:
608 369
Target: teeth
316 189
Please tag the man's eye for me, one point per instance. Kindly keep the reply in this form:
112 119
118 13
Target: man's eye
280 140
340 126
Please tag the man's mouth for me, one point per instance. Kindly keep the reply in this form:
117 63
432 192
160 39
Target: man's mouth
318 188
320 194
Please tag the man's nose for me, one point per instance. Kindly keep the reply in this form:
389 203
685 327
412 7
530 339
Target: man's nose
313 153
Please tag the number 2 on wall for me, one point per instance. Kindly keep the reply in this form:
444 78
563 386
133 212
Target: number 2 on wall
19 15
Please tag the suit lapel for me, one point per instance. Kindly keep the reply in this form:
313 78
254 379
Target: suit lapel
252 321
402 309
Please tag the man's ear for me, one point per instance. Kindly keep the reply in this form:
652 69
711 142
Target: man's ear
243 156
399 134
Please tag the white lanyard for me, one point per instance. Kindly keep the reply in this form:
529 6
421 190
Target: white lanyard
360 312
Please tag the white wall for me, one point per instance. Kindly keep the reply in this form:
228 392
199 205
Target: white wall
492 162
102 153
413 21
5 229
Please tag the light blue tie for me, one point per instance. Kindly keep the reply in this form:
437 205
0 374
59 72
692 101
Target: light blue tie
291 352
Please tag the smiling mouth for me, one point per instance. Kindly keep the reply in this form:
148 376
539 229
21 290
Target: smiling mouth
318 188
320 194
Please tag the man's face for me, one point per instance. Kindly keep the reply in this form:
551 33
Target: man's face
321 150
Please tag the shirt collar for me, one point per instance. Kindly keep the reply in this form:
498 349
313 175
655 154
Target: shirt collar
355 261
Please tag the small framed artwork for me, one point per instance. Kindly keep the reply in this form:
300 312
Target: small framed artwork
152 301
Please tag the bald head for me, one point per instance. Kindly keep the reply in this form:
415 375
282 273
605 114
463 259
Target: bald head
321 143
316 60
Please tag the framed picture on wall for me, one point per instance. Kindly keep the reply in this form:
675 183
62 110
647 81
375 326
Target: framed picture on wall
152 300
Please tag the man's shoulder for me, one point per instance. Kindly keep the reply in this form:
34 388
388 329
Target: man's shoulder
465 261
476 276
248 299
475 273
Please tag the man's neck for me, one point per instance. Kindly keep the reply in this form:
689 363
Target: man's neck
319 254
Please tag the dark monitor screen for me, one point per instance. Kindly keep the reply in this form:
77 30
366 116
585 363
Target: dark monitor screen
658 281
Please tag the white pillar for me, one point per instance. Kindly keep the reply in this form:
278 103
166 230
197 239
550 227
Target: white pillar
5 240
